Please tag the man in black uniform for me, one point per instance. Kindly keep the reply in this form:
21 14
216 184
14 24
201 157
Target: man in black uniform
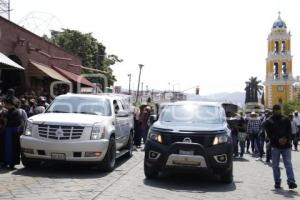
278 128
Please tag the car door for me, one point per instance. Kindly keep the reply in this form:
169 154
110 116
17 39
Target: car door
124 124
118 124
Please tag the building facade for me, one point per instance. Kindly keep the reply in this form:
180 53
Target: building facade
41 62
279 67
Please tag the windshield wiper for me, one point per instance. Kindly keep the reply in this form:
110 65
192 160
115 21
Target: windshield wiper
57 111
89 113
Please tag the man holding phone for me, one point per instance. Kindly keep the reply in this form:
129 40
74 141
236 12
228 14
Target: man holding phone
278 128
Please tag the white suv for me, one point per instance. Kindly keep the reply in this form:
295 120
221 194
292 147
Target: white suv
79 127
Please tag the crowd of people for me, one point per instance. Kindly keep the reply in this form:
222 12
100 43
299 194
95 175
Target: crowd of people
13 116
271 134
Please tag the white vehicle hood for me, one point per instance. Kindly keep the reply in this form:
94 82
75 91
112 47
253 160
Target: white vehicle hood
67 119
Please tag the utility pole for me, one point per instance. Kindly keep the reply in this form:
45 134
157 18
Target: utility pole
129 91
137 92
142 91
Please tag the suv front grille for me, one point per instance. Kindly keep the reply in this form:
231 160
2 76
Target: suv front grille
57 132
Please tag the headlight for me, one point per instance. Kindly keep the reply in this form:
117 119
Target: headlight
28 129
220 139
98 132
155 137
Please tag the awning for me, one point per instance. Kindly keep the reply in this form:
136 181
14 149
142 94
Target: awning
74 77
7 63
47 70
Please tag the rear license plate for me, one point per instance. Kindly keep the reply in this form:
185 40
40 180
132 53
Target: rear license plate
189 153
58 156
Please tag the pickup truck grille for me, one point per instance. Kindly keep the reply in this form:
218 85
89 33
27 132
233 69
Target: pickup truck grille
205 139
58 132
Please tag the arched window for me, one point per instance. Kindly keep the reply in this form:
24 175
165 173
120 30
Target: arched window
283 49
276 46
276 72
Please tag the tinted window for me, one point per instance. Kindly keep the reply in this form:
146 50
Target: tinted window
84 105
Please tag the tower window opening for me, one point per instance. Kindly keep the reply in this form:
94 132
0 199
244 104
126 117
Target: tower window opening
276 47
276 72
284 71
283 49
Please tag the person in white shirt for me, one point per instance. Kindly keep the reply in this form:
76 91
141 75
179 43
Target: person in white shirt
297 121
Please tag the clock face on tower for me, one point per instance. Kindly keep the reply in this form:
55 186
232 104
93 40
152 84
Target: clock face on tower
280 88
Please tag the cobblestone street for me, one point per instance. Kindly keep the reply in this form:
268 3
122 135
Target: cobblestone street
252 180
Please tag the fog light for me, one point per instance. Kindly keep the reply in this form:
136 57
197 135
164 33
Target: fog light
30 151
93 154
221 158
153 155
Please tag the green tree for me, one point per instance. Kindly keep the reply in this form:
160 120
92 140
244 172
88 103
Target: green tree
88 48
291 106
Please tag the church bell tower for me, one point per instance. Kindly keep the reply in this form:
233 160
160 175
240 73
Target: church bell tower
279 70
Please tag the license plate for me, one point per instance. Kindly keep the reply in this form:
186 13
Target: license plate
58 156
189 153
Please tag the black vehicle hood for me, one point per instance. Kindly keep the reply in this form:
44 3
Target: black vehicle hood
189 127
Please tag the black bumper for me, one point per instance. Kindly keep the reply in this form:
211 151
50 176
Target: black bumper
207 152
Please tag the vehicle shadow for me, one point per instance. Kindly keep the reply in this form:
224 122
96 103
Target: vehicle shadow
194 183
67 170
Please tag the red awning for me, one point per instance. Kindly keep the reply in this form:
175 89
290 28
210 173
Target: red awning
74 77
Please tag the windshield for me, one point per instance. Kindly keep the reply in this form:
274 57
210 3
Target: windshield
83 105
192 114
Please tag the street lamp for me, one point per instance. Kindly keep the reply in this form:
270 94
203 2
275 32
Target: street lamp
129 92
174 85
137 92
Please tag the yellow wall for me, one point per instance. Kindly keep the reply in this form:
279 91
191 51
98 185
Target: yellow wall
276 95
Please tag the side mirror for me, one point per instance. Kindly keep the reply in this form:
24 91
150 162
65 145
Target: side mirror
153 118
122 113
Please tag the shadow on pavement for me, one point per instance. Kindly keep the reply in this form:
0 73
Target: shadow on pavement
67 170
194 183
240 160
289 194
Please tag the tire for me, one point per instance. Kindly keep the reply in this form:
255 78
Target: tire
129 146
29 163
109 161
227 176
149 172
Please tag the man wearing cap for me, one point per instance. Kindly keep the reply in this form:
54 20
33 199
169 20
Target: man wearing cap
278 128
253 128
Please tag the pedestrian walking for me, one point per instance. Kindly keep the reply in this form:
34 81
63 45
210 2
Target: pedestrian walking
12 133
242 135
279 130
253 128
2 127
262 137
144 123
294 131
137 132
297 120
